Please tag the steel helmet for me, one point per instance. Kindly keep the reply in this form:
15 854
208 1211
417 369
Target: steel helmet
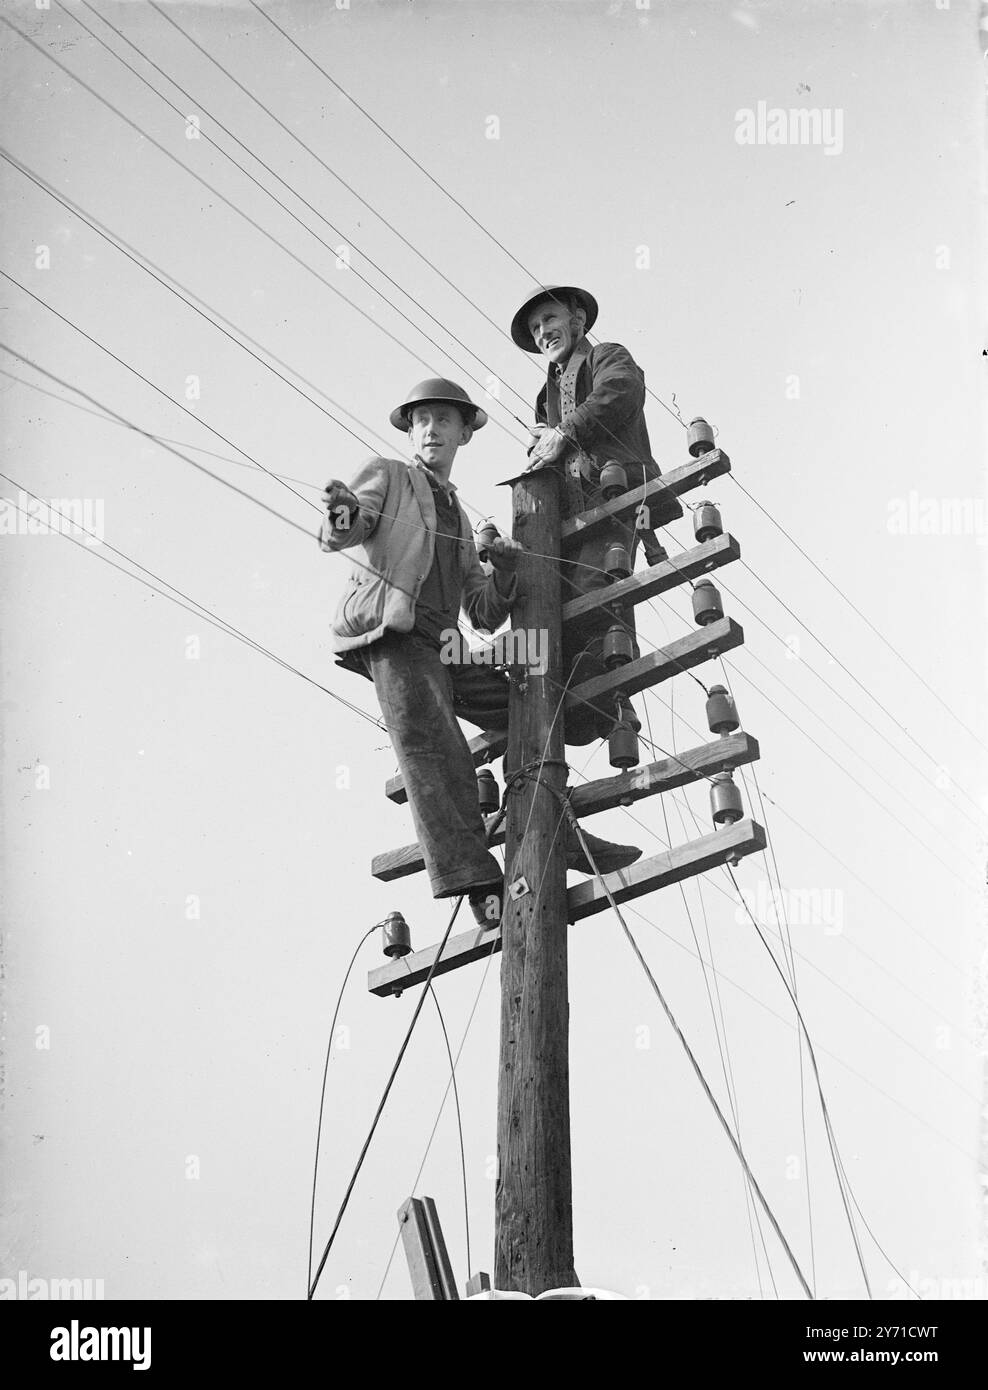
437 388
519 324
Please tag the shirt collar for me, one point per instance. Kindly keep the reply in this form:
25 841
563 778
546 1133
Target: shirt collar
423 467
556 369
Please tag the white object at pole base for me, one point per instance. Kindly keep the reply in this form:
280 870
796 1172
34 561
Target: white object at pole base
550 1296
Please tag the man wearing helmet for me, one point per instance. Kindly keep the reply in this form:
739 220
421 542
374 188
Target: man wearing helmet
589 412
421 568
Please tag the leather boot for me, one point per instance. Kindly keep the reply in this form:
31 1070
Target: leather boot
607 856
486 904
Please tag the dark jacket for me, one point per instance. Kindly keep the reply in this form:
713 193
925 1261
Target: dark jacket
609 420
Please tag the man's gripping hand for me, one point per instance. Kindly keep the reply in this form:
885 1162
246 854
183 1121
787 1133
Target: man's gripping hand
341 506
550 446
503 554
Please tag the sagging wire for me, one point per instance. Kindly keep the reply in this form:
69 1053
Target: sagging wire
442 1106
802 1096
381 1104
723 1049
843 1179
491 828
322 1098
459 1114
780 920
567 811
831 1137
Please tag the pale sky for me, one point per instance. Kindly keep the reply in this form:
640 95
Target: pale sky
823 310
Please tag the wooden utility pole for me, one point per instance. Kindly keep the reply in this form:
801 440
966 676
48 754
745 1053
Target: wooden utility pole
533 1201
534 1197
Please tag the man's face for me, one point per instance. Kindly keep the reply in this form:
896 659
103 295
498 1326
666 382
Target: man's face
556 329
437 431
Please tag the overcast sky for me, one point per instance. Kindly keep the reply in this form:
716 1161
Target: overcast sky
188 826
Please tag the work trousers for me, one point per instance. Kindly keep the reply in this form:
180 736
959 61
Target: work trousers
583 639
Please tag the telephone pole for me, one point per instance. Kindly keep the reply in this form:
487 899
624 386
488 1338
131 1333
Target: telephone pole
534 1197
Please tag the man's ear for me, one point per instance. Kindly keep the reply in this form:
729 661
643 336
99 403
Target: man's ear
466 434
578 318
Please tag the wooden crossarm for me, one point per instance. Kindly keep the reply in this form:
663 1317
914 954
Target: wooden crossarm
414 968
683 861
661 870
659 496
692 650
687 565
665 775
607 792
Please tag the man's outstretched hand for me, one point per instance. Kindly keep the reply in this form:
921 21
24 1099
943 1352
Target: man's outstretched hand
503 554
341 505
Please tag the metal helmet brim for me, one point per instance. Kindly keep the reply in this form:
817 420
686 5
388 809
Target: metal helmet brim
519 324
443 392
